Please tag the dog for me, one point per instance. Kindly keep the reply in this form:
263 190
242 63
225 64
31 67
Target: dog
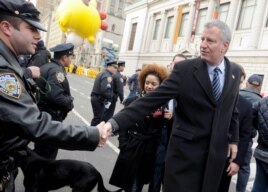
42 175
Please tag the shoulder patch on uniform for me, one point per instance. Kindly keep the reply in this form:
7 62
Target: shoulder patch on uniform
10 85
60 77
109 79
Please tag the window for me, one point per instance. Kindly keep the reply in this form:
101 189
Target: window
132 36
201 21
246 14
169 25
113 27
183 27
112 6
120 7
223 11
98 5
156 28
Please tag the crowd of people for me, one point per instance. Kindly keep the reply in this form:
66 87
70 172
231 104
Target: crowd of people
188 128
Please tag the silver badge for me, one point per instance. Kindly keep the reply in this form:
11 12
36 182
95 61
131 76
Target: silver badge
109 79
60 77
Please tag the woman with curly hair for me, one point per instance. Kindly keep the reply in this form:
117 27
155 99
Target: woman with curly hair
143 146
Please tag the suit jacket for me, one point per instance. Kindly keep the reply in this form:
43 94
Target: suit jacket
202 128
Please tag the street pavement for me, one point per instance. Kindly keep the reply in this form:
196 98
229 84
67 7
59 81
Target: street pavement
102 158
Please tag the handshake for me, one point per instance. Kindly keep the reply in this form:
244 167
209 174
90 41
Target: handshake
105 130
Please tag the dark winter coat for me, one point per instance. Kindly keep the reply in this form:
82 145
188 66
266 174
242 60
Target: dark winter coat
261 123
138 146
202 128
245 129
41 57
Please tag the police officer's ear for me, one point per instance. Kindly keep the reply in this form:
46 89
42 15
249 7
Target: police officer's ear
65 57
5 27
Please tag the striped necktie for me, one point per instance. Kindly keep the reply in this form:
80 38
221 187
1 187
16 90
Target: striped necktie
216 85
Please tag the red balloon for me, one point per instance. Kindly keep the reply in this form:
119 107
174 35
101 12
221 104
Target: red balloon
104 26
103 15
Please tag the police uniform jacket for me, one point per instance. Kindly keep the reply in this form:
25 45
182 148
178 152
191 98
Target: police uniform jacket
202 129
57 99
103 86
250 95
118 84
21 121
41 57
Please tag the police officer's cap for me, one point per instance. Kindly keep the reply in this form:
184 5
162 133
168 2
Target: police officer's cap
113 63
22 9
121 63
255 80
63 49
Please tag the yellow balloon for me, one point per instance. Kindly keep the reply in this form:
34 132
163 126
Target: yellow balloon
75 16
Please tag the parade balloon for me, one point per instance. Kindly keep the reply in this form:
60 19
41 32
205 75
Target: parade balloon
104 26
103 15
75 39
76 17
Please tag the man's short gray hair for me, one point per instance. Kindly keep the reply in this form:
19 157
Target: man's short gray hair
226 34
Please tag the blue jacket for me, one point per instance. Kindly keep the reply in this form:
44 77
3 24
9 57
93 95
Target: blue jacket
133 82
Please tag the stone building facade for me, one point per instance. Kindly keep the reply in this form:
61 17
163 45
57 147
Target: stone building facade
155 30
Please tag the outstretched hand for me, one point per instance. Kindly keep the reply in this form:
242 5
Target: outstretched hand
105 132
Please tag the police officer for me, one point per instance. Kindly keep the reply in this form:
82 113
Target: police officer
102 92
21 120
118 89
30 72
56 97
31 63
41 56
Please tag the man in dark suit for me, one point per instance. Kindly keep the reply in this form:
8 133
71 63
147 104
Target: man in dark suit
205 130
